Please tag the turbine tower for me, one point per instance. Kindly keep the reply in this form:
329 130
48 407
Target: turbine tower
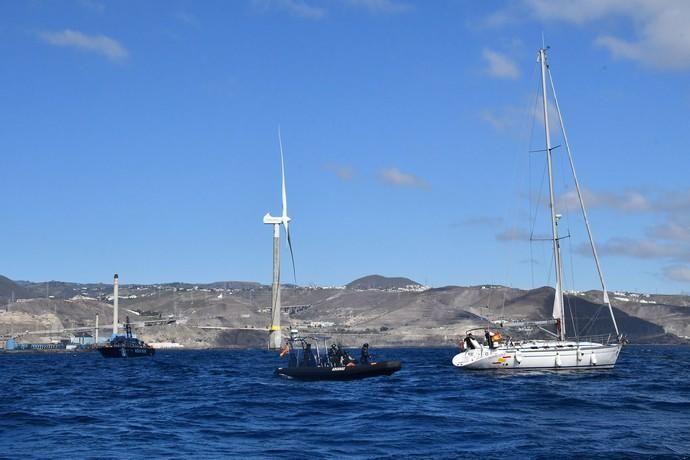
275 337
116 296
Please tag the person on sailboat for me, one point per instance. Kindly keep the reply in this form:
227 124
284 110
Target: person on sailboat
470 343
489 338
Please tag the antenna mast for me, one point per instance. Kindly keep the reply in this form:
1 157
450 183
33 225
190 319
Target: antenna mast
558 313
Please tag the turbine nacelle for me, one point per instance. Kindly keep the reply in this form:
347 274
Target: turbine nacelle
269 219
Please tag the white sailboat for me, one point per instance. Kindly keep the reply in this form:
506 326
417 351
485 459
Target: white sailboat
561 352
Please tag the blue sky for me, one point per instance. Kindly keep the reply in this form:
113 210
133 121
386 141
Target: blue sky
141 138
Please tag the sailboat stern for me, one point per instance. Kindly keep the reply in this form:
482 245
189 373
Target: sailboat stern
483 358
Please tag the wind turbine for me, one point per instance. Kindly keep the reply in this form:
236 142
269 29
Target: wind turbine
275 336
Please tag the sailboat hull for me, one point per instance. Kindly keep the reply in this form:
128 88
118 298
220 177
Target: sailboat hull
555 355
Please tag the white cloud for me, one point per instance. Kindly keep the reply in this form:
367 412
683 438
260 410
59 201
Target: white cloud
677 273
499 65
677 204
507 16
393 176
344 173
529 261
629 202
499 122
92 5
554 124
518 234
640 249
506 120
667 241
297 8
381 6
661 33
187 18
513 234
514 120
482 221
99 44
619 48
670 231
578 12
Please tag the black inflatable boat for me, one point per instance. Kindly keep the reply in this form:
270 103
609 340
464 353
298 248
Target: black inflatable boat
306 361
357 371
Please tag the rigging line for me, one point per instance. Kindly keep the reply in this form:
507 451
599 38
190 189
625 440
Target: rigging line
531 262
536 212
529 193
590 324
544 174
535 111
503 307
539 201
553 147
552 263
571 308
582 207
531 111
572 278
488 306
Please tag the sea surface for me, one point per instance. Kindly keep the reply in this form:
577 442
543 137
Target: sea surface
228 404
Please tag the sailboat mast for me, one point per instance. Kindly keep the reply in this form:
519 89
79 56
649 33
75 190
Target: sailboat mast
558 313
584 210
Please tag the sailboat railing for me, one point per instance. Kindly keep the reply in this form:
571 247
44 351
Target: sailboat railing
604 339
485 350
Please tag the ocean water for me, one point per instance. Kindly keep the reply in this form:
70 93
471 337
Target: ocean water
228 404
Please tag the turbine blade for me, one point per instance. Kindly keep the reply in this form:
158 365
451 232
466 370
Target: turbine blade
292 254
282 171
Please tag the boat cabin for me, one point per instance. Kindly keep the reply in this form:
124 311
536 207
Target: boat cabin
306 352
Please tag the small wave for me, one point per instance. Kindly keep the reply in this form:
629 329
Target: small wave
223 404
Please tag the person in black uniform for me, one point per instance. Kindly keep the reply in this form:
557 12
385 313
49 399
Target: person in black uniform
309 360
364 355
343 357
333 355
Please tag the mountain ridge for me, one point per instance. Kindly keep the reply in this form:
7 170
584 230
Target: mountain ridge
382 282
385 313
